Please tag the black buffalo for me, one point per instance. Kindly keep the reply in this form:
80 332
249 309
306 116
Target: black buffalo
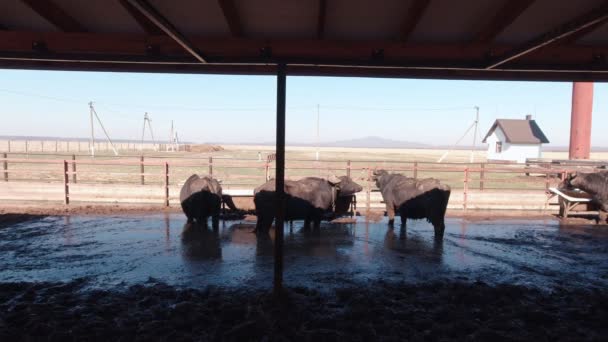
202 198
308 199
414 198
595 184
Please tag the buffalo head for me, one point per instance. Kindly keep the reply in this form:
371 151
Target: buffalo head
345 186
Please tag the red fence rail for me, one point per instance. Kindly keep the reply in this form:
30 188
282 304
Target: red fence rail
250 172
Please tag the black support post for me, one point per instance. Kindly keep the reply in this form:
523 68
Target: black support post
280 180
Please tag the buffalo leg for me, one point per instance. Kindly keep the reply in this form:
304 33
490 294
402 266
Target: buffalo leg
317 223
307 223
390 212
263 224
439 229
215 221
602 216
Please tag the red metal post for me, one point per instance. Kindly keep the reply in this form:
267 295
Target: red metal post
5 166
580 122
482 175
166 184
141 169
348 168
368 192
74 179
465 189
66 186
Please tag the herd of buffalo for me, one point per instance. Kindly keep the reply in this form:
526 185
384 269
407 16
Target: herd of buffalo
313 199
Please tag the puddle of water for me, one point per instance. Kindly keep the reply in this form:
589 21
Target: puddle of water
129 249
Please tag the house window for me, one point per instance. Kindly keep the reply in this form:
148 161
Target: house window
498 146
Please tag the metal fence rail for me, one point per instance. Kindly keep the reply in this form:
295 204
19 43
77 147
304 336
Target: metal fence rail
248 173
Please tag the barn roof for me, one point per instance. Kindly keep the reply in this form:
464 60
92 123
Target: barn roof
519 131
475 39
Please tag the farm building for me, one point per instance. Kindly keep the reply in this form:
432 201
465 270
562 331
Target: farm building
514 140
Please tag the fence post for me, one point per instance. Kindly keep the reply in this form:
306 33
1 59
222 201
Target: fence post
9 145
482 175
56 143
66 186
211 166
166 184
369 191
141 169
5 166
267 170
348 168
465 189
41 145
74 180
415 169
26 146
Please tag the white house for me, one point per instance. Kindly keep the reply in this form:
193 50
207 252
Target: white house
514 140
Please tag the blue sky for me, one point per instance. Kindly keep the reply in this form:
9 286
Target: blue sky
228 109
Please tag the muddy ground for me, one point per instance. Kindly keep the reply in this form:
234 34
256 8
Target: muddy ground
378 311
143 276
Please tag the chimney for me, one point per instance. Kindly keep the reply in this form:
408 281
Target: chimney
529 117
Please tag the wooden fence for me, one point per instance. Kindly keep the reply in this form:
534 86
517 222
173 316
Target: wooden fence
241 175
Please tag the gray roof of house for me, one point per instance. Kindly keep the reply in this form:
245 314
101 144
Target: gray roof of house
519 131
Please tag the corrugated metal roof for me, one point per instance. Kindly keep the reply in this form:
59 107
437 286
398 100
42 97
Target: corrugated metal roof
474 39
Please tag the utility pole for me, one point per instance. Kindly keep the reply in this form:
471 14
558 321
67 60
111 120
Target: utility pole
92 130
171 144
94 113
318 119
475 134
473 125
148 121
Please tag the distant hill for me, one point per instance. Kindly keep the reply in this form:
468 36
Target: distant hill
375 142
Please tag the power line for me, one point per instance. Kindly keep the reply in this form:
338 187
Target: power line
235 109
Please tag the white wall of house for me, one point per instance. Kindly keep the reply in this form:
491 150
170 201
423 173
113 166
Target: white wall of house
511 152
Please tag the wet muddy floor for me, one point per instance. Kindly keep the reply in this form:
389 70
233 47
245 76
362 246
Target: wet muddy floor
128 249
153 277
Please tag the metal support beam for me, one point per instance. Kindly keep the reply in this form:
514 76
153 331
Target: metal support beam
507 14
145 23
154 16
414 14
321 19
580 123
573 38
280 180
583 22
55 15
232 17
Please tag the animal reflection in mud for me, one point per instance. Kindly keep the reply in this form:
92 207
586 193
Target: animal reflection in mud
201 243
401 243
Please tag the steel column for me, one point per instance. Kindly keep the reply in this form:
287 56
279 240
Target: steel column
280 180
580 122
